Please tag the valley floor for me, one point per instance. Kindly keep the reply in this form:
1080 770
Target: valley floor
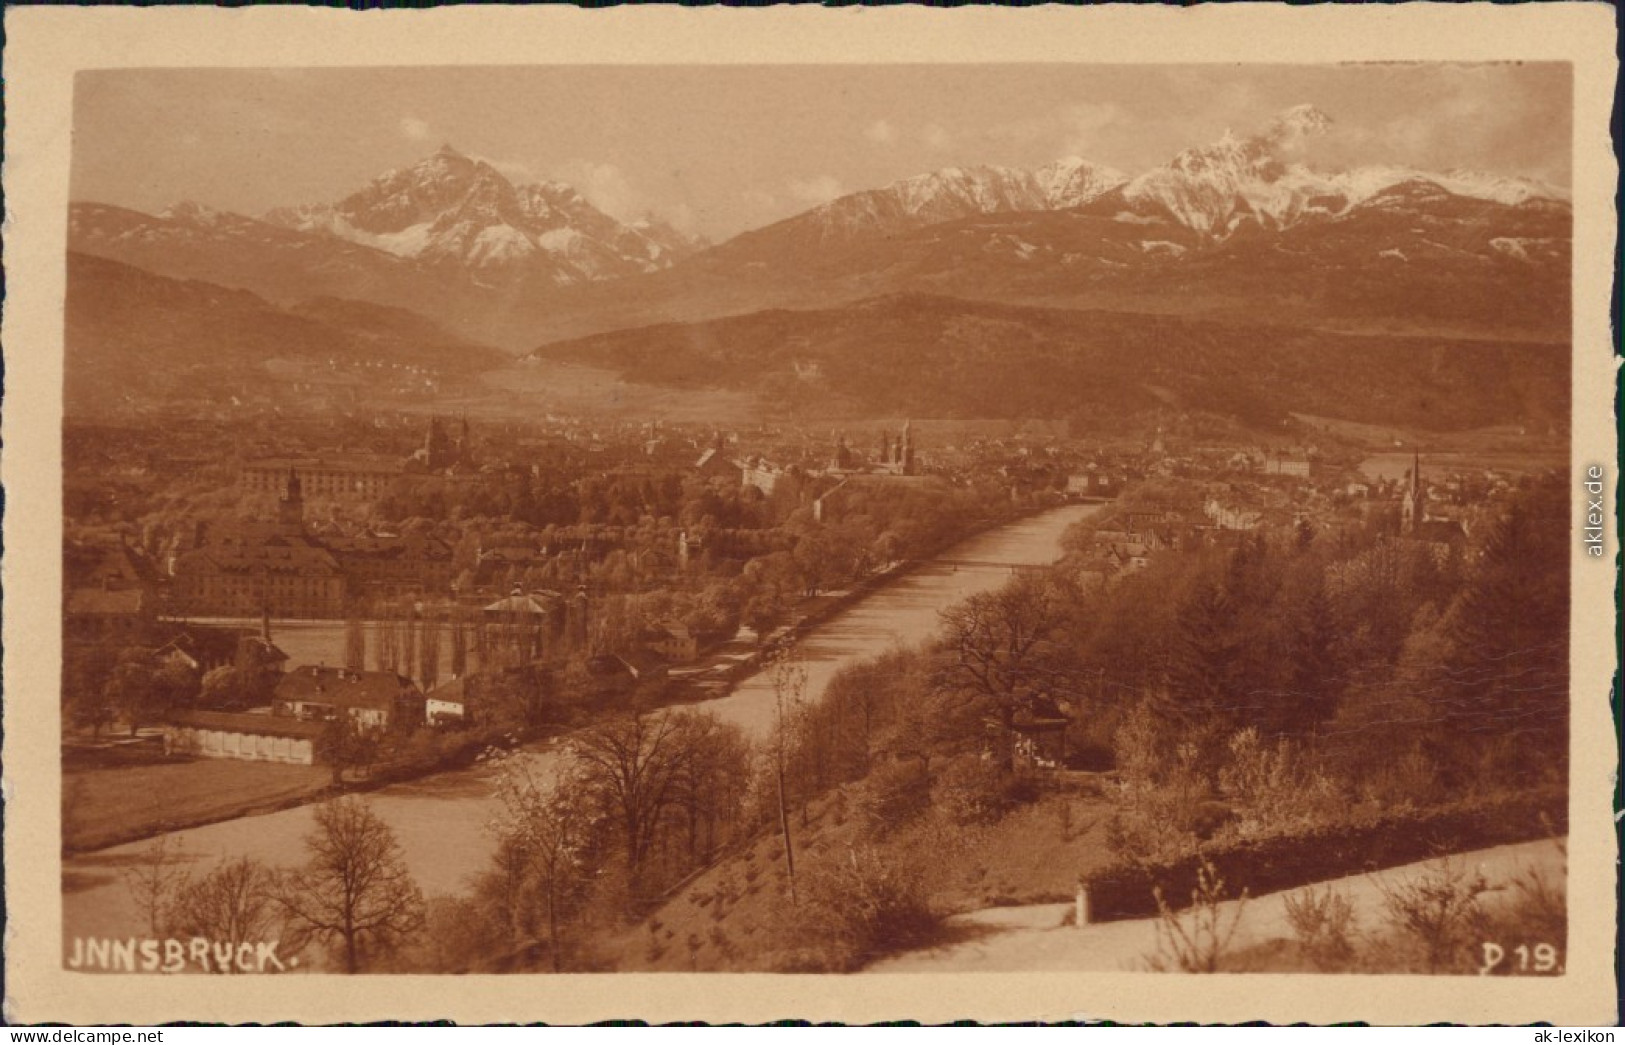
110 805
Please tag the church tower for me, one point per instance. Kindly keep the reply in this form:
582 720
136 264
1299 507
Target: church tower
1413 508
842 461
439 449
905 452
290 511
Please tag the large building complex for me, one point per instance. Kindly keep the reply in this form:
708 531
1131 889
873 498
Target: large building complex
345 477
281 569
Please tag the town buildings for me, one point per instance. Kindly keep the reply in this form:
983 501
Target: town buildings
1415 521
353 477
443 449
282 569
374 700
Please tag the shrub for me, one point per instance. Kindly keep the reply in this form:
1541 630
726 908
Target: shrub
974 791
1272 788
694 944
1538 912
1196 938
1440 910
1160 784
722 945
1323 923
430 750
867 906
892 796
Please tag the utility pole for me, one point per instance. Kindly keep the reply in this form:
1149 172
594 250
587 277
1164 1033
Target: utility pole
789 681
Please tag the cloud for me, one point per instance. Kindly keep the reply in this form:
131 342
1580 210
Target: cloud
606 187
936 136
415 129
814 191
1083 124
881 132
682 218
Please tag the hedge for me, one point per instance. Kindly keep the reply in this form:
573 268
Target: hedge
1270 864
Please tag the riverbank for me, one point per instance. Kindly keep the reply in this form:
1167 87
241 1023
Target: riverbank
441 820
118 806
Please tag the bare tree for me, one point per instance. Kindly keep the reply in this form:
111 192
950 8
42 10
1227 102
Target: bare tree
429 652
548 822
154 880
789 687
645 772
632 765
1000 642
1197 939
344 744
459 644
387 655
711 782
409 640
355 643
231 906
355 892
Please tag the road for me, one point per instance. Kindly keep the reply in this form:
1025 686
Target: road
1033 938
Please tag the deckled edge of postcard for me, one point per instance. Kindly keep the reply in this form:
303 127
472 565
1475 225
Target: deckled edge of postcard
46 45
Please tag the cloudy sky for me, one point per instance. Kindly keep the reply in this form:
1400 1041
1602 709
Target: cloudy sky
723 149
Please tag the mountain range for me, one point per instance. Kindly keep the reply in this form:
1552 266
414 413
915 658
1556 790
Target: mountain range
1235 232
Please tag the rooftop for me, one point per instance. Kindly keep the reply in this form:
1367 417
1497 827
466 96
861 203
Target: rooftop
265 725
343 687
336 463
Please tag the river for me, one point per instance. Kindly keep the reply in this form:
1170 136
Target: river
441 821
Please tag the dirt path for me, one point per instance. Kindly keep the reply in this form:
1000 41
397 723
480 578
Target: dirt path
1025 939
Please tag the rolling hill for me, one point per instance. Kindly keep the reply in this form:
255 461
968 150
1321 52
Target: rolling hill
136 338
933 356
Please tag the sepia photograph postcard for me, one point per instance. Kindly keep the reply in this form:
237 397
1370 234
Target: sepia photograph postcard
1051 514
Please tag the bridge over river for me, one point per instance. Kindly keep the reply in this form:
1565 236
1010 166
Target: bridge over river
983 564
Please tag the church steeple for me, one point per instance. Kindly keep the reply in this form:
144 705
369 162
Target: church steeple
291 510
1413 508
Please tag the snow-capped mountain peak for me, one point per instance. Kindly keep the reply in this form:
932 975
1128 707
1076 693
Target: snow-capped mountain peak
1234 181
1074 181
954 193
451 209
1300 121
1511 190
188 212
